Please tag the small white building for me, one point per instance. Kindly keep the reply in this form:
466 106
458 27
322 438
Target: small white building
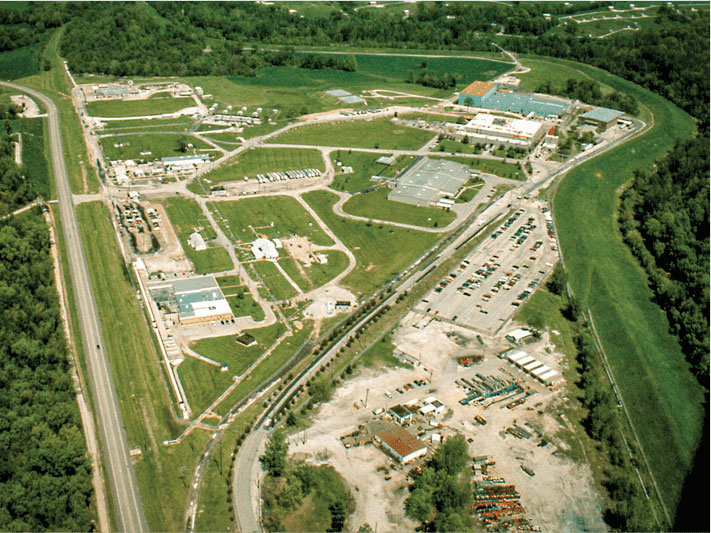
518 335
197 242
264 249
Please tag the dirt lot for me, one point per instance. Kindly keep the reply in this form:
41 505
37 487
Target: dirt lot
561 494
171 257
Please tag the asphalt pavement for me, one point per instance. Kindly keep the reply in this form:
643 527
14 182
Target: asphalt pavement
128 508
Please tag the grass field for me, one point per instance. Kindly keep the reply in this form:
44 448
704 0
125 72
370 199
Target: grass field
280 288
262 160
286 214
490 166
186 217
375 205
137 108
140 125
382 251
159 144
468 194
268 367
146 404
203 382
662 397
381 354
364 166
239 298
34 154
19 63
55 84
377 133
316 274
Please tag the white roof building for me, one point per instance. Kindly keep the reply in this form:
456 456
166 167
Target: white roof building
518 335
496 129
264 249
197 242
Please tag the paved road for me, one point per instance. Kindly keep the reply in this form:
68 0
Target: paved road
127 501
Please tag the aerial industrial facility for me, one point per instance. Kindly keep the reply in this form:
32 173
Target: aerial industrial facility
191 301
492 129
427 180
492 96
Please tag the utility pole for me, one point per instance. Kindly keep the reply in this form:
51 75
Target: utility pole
366 397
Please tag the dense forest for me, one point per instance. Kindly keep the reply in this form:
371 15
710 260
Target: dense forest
45 479
665 220
15 188
590 92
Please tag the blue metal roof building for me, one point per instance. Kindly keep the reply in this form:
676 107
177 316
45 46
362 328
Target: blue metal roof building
525 103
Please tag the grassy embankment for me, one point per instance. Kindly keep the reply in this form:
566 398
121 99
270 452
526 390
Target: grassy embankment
159 145
381 251
146 403
660 393
56 85
376 133
137 108
263 160
186 217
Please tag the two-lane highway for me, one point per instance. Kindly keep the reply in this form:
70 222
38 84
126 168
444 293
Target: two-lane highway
127 501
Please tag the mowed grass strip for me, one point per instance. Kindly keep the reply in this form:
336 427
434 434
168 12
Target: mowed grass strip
272 217
159 145
361 133
147 407
262 160
137 108
243 304
278 285
375 205
661 395
381 251
509 169
186 217
203 382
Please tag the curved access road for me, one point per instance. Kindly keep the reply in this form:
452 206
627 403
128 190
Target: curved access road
127 502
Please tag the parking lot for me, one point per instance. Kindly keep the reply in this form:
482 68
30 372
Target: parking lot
484 291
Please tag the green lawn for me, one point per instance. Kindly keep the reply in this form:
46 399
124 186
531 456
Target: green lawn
34 153
272 217
663 398
137 108
375 205
316 274
468 194
268 367
381 251
186 217
146 407
262 160
140 125
364 166
280 288
204 382
158 144
381 354
376 133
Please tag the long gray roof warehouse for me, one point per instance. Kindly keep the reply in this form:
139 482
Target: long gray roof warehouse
427 180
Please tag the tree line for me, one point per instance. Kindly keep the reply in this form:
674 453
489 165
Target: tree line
664 217
45 478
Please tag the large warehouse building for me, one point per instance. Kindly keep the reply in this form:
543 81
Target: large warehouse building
492 96
601 116
427 180
492 129
194 300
